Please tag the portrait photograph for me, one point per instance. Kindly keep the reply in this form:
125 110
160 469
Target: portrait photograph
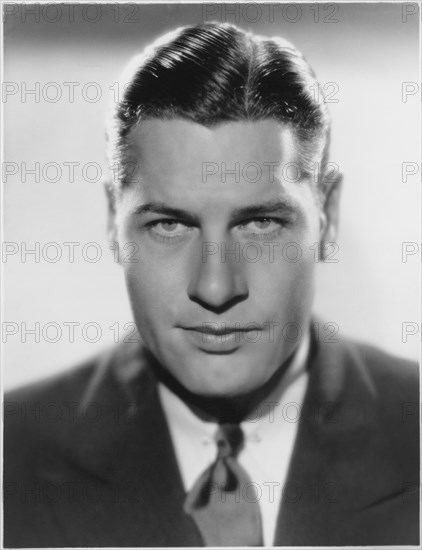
211 261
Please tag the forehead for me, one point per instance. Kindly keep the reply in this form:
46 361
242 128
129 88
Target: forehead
240 161
180 145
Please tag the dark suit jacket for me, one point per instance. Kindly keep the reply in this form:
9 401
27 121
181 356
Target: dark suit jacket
89 459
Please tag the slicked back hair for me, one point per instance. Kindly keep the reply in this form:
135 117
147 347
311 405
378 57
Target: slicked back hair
214 73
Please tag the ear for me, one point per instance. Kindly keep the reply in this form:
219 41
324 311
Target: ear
330 209
111 211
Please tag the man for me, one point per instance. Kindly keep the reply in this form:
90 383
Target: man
233 424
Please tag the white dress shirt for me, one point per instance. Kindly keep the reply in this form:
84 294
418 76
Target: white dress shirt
269 433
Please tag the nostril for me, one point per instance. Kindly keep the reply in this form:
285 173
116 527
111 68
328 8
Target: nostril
218 309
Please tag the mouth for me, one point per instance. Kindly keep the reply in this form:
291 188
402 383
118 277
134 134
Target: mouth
220 331
223 339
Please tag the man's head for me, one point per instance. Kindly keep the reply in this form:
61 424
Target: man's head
222 145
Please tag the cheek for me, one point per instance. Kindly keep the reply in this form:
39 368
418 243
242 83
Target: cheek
287 287
147 285
156 286
285 299
289 269
149 302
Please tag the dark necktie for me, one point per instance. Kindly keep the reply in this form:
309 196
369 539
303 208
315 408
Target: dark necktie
223 501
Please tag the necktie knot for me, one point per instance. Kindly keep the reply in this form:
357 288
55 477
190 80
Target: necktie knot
229 439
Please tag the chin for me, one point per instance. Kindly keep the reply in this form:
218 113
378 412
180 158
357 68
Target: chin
228 391
218 382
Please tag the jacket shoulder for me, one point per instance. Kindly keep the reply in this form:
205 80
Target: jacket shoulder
74 381
65 384
393 386
41 414
393 378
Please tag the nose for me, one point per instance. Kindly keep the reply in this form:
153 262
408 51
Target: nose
218 282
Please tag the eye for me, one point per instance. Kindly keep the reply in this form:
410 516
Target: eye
266 227
168 229
262 223
168 226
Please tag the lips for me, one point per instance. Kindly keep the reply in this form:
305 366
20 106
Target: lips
218 332
207 328
217 338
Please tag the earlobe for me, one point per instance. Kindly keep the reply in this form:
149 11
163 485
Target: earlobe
322 223
330 212
111 212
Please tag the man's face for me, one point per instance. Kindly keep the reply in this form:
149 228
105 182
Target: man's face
224 282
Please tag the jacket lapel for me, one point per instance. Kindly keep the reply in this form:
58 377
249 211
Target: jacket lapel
341 467
122 459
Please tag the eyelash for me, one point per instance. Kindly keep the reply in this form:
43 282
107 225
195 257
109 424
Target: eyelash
281 223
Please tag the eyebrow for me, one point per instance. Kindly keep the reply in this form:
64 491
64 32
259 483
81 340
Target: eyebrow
273 206
164 209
